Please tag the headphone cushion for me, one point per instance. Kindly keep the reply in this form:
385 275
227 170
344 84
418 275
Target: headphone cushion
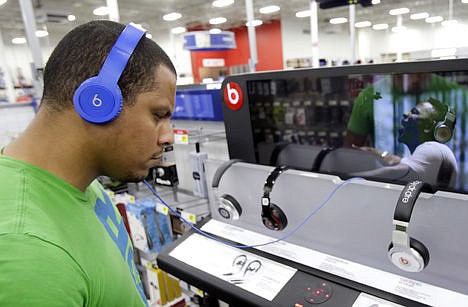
421 249
98 102
227 200
278 215
442 133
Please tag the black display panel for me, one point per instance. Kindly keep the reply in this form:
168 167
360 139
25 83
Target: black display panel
388 122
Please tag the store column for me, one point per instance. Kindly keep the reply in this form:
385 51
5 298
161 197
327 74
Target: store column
29 21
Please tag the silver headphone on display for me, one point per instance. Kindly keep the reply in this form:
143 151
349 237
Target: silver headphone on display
443 130
228 207
407 253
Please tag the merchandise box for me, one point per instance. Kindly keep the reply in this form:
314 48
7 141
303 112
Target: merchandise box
150 229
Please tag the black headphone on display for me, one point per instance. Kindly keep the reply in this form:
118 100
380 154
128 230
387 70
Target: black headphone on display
99 99
272 215
228 207
443 130
405 252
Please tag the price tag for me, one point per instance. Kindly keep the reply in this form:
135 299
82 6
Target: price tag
189 217
181 136
162 209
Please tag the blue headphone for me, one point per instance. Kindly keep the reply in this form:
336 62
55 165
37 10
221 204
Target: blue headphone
98 99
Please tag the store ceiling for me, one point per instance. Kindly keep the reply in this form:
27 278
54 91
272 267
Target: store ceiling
196 13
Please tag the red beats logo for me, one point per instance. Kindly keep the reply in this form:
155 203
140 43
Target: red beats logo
233 96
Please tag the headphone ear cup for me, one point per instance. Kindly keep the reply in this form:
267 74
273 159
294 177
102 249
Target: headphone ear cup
407 258
229 208
277 219
421 249
442 133
97 102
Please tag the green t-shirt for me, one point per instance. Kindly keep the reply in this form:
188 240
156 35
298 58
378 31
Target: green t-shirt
60 246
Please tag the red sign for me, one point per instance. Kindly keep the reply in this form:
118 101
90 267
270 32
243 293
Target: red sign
233 96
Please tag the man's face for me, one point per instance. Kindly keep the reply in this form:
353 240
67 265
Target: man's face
417 125
136 138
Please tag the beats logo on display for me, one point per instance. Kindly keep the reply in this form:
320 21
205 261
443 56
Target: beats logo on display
233 96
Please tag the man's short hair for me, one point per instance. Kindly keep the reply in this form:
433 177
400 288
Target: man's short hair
81 54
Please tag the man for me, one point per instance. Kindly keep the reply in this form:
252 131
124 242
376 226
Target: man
397 88
424 130
63 242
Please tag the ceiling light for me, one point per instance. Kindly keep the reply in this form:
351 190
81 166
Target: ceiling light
418 16
464 1
71 17
101 11
217 20
172 16
222 3
338 20
269 9
302 14
149 35
399 29
434 19
41 33
215 31
380 26
254 23
363 24
2 2
178 30
400 11
374 2
449 23
18 40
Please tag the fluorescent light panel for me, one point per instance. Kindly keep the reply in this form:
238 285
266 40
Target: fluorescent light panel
434 19
399 11
178 30
101 11
215 31
338 20
417 16
18 40
380 26
269 9
448 23
217 20
302 14
255 23
222 3
172 16
363 24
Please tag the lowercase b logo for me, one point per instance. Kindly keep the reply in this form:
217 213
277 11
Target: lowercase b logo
233 96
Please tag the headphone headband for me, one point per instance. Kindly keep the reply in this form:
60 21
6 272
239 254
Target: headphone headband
407 200
221 170
120 53
270 181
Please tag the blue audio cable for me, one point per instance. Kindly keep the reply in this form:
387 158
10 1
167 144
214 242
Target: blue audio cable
260 244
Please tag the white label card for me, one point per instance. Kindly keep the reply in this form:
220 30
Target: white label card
245 270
